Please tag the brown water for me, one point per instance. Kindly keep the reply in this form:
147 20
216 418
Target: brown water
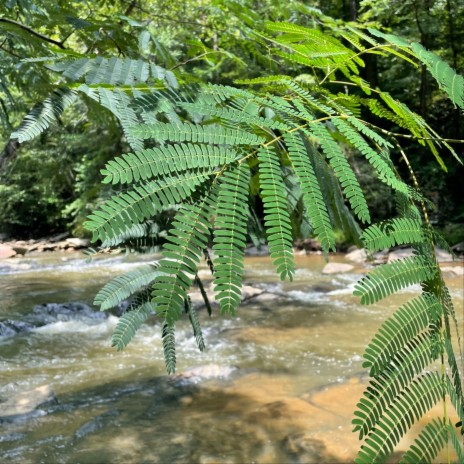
121 407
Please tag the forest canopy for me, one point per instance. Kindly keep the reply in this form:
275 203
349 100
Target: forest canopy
51 183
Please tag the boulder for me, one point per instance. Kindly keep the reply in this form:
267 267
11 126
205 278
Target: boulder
20 250
337 268
27 402
358 255
248 291
78 242
11 328
6 252
53 312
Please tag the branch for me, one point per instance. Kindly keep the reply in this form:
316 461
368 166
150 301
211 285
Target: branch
35 33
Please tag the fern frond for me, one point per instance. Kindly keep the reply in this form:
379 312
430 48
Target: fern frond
385 387
404 324
276 216
368 132
222 93
343 171
428 444
181 255
195 323
129 323
167 159
125 285
456 442
389 278
311 191
397 231
415 401
230 237
119 103
383 170
40 118
233 115
448 80
121 212
169 346
187 132
113 71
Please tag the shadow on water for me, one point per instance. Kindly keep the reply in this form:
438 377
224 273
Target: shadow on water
123 421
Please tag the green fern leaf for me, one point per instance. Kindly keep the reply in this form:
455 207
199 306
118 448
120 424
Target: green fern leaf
230 237
195 323
123 286
187 132
312 195
403 325
169 347
389 278
448 80
376 160
343 171
233 115
409 361
40 118
181 255
428 444
129 323
168 159
276 216
456 442
368 132
121 212
415 401
387 234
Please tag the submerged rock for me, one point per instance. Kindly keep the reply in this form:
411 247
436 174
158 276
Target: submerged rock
52 312
24 403
336 268
358 255
11 328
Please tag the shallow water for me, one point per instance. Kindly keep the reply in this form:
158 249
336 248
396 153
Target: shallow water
121 407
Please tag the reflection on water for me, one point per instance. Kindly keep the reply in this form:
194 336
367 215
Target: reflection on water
259 396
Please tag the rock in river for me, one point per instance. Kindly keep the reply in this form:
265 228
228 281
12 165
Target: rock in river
21 404
10 328
336 268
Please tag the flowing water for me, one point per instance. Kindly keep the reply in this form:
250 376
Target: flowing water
258 397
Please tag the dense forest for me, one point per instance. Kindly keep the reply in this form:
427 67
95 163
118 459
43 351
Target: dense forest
50 184
197 128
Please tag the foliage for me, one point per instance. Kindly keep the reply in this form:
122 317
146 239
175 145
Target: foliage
200 150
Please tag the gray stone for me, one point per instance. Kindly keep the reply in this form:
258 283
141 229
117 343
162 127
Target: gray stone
265 297
358 255
78 242
336 268
248 291
11 328
26 402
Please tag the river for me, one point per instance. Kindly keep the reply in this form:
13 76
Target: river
257 394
